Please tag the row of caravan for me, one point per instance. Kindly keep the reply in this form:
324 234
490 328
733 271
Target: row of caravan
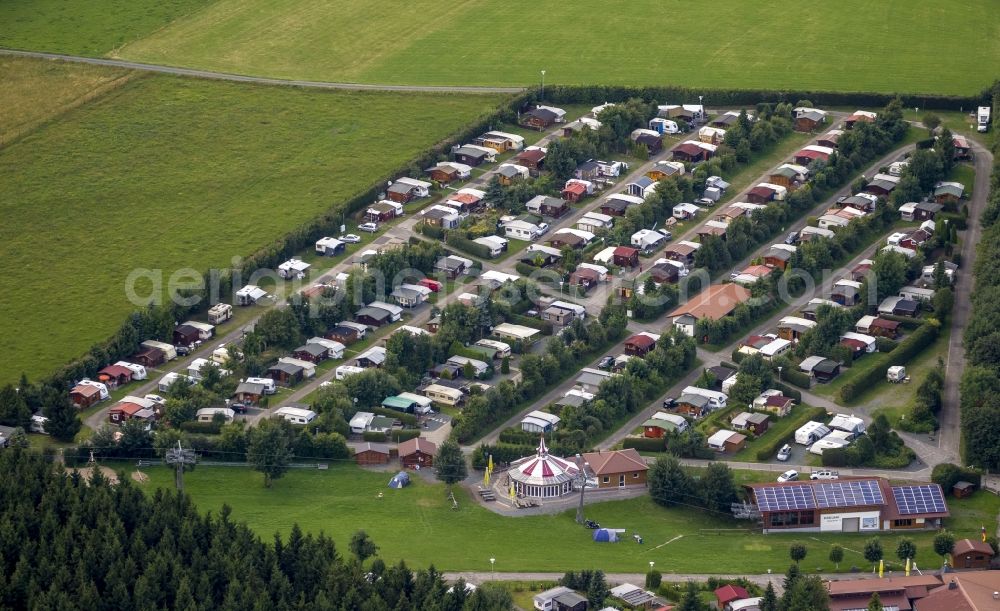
839 433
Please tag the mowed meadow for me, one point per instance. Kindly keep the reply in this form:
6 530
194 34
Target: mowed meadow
419 525
166 172
850 45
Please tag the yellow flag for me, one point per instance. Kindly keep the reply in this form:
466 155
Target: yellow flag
881 567
486 478
907 567
489 465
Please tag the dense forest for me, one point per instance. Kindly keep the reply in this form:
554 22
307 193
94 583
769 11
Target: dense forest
68 543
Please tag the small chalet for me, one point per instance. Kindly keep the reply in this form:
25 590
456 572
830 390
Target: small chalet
919 211
585 278
727 442
115 376
809 119
531 158
547 206
372 317
811 153
823 369
653 143
971 554
83 395
448 172
314 353
286 374
641 344
878 327
249 392
665 169
470 156
574 191
618 204
417 453
859 116
626 256
186 335
779 255
830 138
453 266
692 152
662 423
539 118
948 192
372 454
405 190
509 173
692 405
617 468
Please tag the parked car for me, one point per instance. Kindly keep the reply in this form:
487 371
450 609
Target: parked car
670 403
704 201
182 350
606 362
666 234
789 476
824 474
369 227
785 453
239 408
792 238
157 399
543 228
350 238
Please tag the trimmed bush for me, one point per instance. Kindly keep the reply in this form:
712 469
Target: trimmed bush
456 240
205 428
431 231
788 391
399 435
406 419
796 378
645 444
947 475
884 344
874 369
374 436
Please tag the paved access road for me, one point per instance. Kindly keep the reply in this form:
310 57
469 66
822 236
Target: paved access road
259 80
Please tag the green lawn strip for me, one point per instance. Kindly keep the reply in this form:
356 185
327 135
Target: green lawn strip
86 28
896 401
418 524
781 151
780 428
343 41
198 172
884 389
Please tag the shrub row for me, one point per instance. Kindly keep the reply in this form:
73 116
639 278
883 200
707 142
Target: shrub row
645 444
877 364
205 428
431 231
456 240
596 94
768 449
788 391
406 419
796 378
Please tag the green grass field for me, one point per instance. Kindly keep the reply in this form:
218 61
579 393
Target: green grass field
418 524
35 91
85 28
851 45
165 173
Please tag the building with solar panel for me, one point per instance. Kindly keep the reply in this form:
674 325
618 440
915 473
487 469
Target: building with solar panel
868 504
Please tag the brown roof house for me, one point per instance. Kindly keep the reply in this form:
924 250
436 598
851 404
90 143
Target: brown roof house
417 453
715 302
617 469
372 454
971 591
971 554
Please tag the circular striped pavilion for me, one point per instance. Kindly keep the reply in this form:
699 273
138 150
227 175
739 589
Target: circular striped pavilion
543 476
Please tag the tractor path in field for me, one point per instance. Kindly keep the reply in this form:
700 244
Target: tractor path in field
258 80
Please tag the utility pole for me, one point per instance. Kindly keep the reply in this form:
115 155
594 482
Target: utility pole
583 487
179 457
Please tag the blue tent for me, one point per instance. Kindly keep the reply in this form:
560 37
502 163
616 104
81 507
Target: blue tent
400 480
605 535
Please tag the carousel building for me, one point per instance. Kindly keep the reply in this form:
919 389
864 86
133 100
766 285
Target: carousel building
543 476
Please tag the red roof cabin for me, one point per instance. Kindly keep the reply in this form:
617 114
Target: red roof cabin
83 395
640 344
574 192
730 593
760 195
626 256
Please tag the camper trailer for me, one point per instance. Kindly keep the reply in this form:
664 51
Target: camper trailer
296 415
267 383
715 398
983 119
220 313
169 352
896 374
347 370
138 371
811 432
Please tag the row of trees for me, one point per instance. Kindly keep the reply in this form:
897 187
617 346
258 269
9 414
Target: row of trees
671 485
73 544
980 386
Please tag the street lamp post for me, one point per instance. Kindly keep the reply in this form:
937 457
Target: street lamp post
779 373
543 84
493 568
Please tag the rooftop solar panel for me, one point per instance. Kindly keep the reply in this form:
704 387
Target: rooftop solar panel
925 498
849 493
785 498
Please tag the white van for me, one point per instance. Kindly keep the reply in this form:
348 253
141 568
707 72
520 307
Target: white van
715 398
347 370
138 371
267 383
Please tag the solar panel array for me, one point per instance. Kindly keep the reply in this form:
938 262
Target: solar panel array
785 498
926 498
849 493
